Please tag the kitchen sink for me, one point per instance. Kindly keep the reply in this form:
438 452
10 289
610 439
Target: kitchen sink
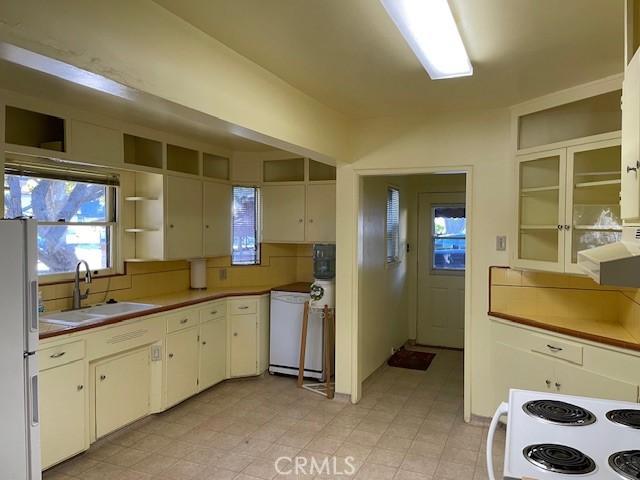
76 317
92 314
111 309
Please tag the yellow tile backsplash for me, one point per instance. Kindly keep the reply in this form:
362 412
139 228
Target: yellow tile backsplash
281 264
566 300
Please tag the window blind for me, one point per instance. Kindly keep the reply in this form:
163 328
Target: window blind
393 225
246 221
58 170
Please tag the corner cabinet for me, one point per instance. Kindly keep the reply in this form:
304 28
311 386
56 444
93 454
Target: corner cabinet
568 201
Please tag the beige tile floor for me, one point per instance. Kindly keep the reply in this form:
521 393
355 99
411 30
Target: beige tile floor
408 426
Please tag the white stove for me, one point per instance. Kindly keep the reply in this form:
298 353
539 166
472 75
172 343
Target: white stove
559 437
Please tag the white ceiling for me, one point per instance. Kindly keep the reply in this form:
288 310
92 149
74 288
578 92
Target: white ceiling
349 55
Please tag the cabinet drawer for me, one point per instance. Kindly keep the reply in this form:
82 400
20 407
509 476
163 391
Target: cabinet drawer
211 312
556 348
60 355
182 320
243 307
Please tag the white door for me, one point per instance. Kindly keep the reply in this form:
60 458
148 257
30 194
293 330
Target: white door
283 213
217 219
182 365
321 213
184 218
441 263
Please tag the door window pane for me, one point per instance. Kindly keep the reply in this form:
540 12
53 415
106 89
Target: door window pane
449 228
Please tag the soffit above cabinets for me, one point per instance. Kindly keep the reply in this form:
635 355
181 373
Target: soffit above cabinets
350 56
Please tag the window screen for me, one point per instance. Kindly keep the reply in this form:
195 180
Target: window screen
393 225
449 243
246 221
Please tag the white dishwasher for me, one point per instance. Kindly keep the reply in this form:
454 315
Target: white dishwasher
287 310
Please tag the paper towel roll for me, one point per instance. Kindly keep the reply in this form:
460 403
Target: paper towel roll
198 273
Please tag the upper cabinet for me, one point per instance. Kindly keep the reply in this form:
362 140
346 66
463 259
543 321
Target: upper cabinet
184 233
568 200
283 213
217 219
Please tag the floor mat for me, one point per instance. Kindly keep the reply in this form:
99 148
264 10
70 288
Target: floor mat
409 359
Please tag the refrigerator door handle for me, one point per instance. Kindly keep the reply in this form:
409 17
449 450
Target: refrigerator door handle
35 406
33 306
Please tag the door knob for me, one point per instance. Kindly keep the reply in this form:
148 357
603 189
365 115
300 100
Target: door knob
103 377
80 387
171 355
204 343
548 382
235 334
558 386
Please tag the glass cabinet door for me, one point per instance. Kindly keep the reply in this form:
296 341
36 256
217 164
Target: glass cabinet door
593 198
541 197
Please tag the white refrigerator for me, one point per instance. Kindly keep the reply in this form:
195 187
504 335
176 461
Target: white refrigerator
19 413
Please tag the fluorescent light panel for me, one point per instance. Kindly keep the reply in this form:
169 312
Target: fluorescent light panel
430 30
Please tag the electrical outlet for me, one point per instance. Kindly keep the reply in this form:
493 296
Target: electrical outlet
156 353
501 243
222 274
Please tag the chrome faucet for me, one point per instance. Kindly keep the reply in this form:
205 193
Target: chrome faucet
77 296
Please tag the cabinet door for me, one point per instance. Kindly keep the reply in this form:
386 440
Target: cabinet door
244 345
217 219
213 352
283 213
593 198
62 412
514 368
182 365
578 381
541 210
184 218
122 391
631 144
321 213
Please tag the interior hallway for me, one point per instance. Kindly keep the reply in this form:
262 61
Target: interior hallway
408 426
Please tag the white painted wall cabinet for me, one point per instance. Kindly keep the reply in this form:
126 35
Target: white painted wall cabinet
184 233
568 200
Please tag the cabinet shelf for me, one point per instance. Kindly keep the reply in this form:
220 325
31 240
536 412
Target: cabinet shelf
601 183
538 227
540 189
140 199
598 174
140 230
599 228
141 260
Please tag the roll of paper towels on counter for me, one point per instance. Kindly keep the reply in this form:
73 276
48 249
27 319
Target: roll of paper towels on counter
198 273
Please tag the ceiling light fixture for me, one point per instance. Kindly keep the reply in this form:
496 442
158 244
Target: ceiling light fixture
430 30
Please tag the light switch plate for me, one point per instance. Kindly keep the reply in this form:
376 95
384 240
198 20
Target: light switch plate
501 243
156 353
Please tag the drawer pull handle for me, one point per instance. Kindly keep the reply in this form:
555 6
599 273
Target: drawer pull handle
171 355
235 334
57 355
548 382
558 386
214 312
80 387
554 349
183 321
243 307
204 343
103 377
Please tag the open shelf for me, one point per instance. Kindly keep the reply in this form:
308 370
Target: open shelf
598 174
215 166
601 183
183 160
142 151
140 199
538 227
319 171
288 170
540 189
140 230
34 129
599 228
141 260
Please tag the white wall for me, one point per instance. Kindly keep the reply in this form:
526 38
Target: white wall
383 305
479 140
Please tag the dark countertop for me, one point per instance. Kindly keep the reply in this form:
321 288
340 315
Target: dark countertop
298 287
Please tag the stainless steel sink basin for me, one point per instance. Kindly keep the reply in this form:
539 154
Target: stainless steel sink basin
111 309
91 314
77 317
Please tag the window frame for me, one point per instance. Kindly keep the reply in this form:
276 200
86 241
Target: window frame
397 258
257 227
112 201
445 271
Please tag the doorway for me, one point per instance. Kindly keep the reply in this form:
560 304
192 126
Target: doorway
441 264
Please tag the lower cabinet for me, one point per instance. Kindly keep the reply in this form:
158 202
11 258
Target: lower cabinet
182 365
213 353
244 345
518 363
62 412
122 390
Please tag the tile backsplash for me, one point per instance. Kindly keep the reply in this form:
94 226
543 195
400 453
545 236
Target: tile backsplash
281 264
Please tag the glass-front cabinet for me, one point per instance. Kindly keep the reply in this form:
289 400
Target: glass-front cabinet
568 200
